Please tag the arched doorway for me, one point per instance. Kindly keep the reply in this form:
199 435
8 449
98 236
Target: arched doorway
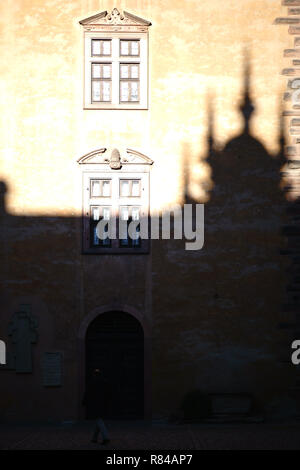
115 346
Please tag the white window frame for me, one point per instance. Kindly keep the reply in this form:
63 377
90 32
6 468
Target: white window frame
115 59
115 201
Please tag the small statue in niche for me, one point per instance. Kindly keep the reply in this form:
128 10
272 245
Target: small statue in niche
22 329
115 160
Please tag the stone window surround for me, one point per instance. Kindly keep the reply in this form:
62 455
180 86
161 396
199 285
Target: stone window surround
116 27
99 164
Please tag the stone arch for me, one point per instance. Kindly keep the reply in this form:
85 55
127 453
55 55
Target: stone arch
116 307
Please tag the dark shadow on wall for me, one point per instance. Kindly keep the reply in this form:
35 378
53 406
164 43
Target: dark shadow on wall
217 312
237 310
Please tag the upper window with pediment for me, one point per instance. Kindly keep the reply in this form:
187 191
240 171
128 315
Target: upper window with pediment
115 61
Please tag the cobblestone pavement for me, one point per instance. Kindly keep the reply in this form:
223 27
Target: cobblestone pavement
139 435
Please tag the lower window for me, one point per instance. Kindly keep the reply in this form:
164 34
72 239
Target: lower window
115 212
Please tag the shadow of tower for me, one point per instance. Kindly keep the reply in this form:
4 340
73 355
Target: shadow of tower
243 237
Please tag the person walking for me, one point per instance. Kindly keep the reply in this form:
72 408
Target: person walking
97 396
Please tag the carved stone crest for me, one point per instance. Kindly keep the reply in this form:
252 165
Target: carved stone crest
115 17
115 160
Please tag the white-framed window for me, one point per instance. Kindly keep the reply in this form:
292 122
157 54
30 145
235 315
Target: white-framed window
115 61
116 72
116 199
101 82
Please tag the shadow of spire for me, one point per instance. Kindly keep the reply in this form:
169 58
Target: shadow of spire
247 108
186 157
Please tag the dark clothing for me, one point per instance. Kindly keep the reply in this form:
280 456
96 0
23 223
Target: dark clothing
96 399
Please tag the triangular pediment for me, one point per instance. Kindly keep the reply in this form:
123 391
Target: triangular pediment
114 18
104 157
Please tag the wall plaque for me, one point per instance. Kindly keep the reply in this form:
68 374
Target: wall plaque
52 369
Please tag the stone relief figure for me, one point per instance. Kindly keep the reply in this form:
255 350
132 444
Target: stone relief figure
22 329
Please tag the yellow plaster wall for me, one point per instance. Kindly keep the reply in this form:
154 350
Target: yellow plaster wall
196 56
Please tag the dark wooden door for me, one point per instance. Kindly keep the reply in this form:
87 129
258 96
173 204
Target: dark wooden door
115 347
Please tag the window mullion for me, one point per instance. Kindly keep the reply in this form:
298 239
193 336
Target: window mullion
114 82
114 209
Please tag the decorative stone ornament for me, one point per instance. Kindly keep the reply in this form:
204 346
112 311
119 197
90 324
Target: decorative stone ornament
127 158
122 21
115 160
115 17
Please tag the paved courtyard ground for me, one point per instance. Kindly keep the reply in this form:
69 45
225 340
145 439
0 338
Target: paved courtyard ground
140 435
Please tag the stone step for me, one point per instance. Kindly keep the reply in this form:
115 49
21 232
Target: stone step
291 151
288 20
294 30
291 53
291 113
291 71
291 3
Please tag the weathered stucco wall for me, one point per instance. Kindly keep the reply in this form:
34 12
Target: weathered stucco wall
196 55
215 312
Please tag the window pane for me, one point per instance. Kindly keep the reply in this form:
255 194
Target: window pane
106 71
124 241
135 188
96 47
124 71
124 48
106 213
106 188
124 188
106 241
102 229
134 91
124 213
96 240
96 71
95 188
95 213
134 48
106 91
96 91
124 91
123 227
106 47
136 241
134 71
135 213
